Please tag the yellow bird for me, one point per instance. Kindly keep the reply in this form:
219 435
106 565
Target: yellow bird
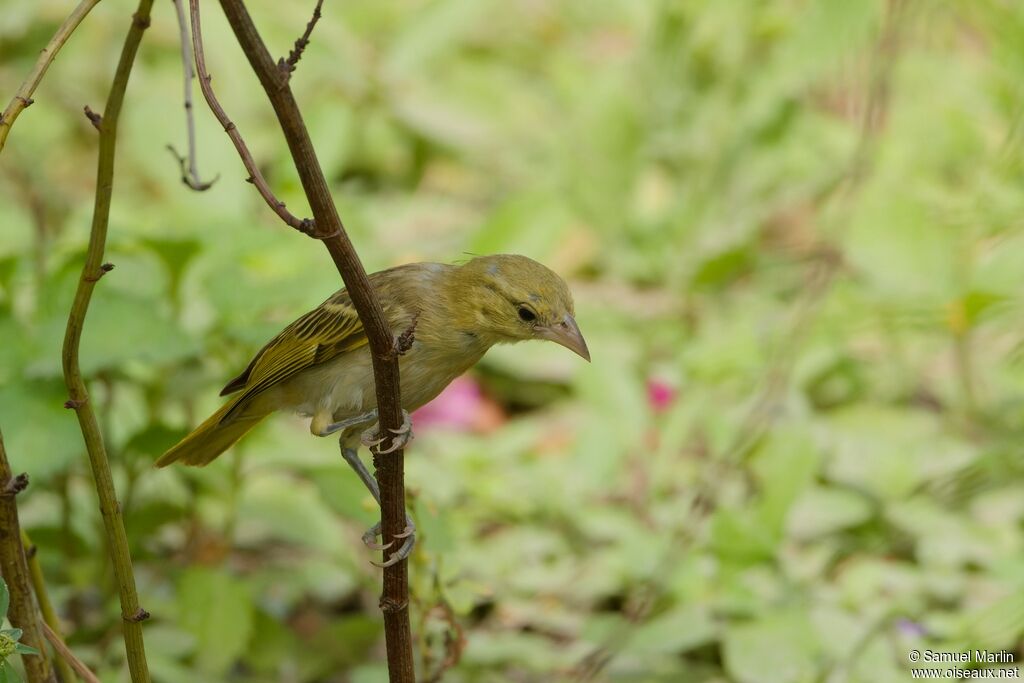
320 365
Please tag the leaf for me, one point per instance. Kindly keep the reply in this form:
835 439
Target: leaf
785 466
997 626
40 452
279 507
678 630
777 649
25 649
8 674
823 510
216 608
5 598
742 536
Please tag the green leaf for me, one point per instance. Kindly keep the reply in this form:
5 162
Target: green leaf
824 510
284 508
676 631
777 649
785 466
25 649
216 608
8 674
5 598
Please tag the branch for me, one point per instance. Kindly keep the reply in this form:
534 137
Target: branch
189 172
287 66
304 225
394 601
92 270
23 98
68 658
51 623
22 611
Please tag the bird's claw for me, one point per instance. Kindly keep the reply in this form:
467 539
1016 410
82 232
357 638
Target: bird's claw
372 439
409 534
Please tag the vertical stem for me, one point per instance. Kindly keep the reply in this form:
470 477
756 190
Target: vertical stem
22 611
45 604
965 370
394 601
131 613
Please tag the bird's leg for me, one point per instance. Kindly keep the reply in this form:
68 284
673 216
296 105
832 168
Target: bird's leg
333 427
370 537
371 438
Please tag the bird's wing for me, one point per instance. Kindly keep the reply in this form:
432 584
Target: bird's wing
328 331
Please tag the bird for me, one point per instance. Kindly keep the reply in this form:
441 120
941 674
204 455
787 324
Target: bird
445 316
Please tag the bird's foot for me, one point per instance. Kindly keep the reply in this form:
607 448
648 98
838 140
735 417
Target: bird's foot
409 534
372 439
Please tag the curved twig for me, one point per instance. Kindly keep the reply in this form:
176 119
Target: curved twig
187 164
50 619
117 540
303 225
23 98
68 657
287 66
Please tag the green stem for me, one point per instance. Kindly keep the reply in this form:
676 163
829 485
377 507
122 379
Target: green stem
131 613
45 604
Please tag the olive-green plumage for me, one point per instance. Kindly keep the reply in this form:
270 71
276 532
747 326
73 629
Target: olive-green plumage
320 364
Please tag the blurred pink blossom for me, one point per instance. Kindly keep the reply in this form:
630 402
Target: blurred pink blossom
660 395
462 406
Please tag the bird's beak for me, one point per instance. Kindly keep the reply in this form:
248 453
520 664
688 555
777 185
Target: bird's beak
567 333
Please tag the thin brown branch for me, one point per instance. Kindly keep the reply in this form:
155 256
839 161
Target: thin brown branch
23 98
95 119
50 619
287 66
68 657
394 601
92 270
22 611
187 164
304 225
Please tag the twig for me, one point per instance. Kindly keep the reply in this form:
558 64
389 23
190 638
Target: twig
113 524
95 119
50 619
394 601
22 611
189 172
23 98
305 225
287 66
68 657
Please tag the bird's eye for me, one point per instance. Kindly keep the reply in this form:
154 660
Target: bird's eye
526 315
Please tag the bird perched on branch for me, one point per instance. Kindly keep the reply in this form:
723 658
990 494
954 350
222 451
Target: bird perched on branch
445 316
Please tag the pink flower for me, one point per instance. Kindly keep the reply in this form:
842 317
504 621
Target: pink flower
462 406
660 395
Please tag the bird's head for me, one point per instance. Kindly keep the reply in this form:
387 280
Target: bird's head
509 298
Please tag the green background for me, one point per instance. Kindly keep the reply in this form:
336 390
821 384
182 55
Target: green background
793 229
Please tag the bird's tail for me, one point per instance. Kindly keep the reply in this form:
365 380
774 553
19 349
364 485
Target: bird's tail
211 438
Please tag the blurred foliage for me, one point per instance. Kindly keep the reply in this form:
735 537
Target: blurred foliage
794 232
